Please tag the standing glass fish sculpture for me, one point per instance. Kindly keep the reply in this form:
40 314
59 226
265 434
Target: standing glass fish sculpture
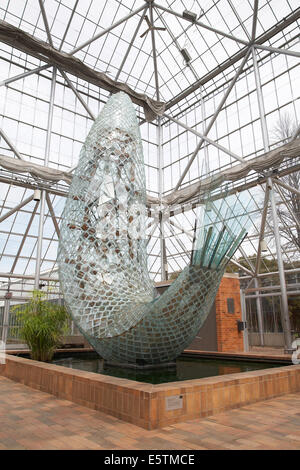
102 251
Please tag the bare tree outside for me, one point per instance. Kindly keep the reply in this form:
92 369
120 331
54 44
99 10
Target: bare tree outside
284 129
289 213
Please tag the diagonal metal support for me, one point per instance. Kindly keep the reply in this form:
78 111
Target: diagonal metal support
131 43
152 232
266 36
286 227
254 20
240 266
46 22
78 96
210 141
276 50
24 237
285 307
43 193
107 30
262 230
261 106
178 240
174 39
11 145
9 80
51 210
202 25
192 69
68 25
154 53
239 20
285 201
15 209
288 187
213 119
171 222
39 241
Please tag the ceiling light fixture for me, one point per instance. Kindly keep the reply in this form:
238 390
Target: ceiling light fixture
263 245
189 15
37 195
185 55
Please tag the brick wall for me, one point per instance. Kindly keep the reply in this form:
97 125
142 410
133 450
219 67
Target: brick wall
228 336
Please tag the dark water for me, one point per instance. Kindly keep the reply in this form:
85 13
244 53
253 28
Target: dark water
184 369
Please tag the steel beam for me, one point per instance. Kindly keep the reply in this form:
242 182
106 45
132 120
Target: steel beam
160 190
269 288
181 228
266 36
273 294
11 145
202 25
254 20
202 136
286 271
24 42
107 30
46 22
286 203
285 308
39 242
288 187
24 237
276 50
15 209
239 19
240 266
77 94
262 229
213 119
261 106
131 43
152 232
26 277
68 25
9 80
43 193
154 55
54 220
50 117
178 240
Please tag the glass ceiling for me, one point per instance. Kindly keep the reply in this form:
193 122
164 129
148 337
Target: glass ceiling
45 122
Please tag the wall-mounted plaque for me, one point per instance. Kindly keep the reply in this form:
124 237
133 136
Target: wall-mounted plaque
174 402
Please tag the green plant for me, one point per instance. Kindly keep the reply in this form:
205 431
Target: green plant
43 325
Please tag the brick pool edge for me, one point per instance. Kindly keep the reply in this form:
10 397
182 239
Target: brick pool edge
148 405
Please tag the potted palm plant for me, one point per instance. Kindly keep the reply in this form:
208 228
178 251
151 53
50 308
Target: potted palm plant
43 324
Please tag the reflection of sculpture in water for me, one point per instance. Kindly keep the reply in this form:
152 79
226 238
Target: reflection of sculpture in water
102 251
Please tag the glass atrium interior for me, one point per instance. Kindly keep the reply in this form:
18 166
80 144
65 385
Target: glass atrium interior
215 84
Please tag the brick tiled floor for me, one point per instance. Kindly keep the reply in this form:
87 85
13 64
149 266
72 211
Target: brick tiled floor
35 420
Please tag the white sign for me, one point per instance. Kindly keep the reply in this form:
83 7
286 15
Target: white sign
174 402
